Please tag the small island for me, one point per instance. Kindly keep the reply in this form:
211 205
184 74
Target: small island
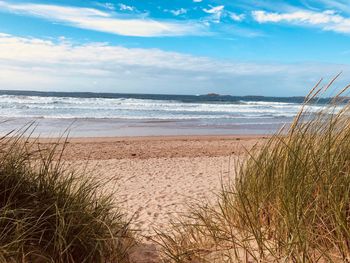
213 95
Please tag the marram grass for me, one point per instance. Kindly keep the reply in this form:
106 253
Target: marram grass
48 213
289 200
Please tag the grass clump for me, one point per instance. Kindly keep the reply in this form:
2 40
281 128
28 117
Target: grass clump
289 201
49 213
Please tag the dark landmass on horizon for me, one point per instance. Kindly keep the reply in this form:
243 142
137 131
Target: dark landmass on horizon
210 97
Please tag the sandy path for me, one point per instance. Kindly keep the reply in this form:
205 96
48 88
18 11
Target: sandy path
157 177
157 189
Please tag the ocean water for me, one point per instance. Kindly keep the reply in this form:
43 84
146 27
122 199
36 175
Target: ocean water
107 114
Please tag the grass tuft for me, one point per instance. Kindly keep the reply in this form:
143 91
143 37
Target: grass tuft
289 200
50 213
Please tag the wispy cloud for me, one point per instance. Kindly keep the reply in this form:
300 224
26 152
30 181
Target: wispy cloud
327 20
340 5
94 19
108 6
237 17
216 12
178 12
124 7
32 63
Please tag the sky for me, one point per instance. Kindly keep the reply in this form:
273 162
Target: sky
240 47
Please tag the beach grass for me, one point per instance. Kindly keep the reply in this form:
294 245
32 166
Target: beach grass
289 200
49 212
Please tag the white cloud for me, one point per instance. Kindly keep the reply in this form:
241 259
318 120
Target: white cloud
108 6
124 7
214 10
219 12
327 20
38 64
178 12
93 19
197 1
216 13
237 17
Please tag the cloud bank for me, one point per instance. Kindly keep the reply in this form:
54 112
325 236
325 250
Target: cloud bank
38 64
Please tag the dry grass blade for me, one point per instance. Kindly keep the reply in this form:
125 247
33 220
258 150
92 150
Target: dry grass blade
50 213
290 201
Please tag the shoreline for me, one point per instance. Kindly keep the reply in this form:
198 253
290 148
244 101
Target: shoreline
81 128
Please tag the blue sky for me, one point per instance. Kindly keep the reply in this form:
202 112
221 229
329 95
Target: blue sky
241 47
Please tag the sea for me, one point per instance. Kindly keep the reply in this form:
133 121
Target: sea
83 114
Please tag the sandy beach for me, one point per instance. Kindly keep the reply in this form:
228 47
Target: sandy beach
156 178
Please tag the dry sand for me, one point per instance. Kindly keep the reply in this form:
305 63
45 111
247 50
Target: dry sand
157 177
